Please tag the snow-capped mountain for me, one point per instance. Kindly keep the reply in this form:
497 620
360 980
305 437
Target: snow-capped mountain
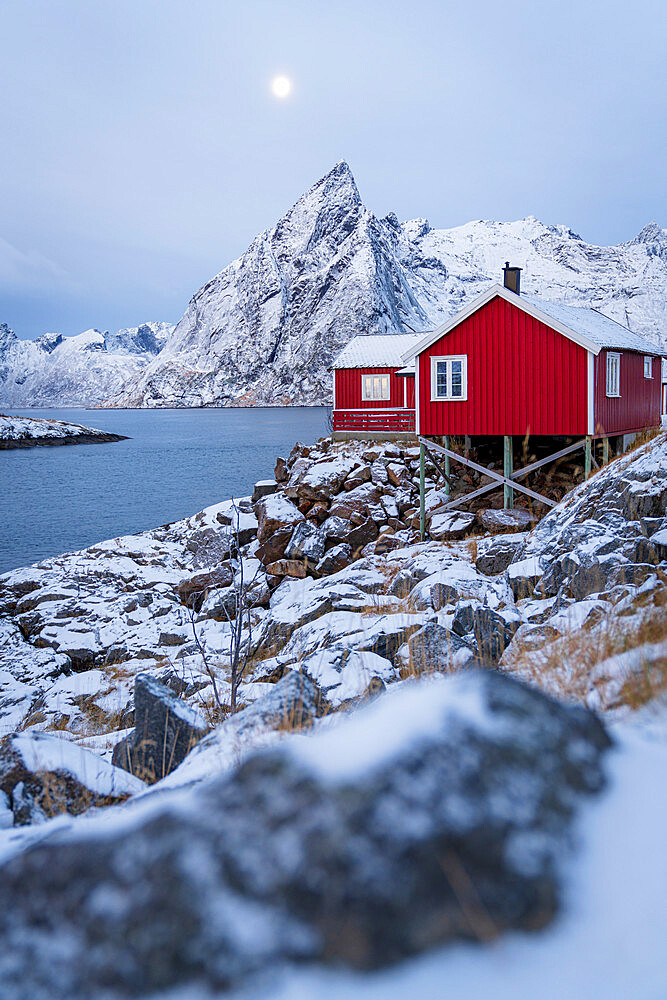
266 329
69 371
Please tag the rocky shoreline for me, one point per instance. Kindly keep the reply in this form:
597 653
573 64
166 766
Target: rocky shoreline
33 432
392 695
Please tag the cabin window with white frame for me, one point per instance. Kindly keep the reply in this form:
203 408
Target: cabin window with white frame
613 374
374 387
648 366
449 377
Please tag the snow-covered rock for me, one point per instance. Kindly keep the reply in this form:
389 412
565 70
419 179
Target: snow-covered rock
441 811
265 330
70 371
28 432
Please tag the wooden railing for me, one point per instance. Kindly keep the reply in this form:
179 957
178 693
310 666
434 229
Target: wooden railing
374 420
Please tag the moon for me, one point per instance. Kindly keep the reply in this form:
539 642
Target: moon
281 86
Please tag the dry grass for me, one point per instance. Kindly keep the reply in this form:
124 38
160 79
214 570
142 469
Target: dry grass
565 667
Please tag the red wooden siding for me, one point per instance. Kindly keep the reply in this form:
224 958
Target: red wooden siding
348 389
639 403
523 377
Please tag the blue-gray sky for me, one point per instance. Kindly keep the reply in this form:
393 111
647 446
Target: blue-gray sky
142 149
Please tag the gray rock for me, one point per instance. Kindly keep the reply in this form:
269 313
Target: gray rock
450 525
165 730
335 559
264 488
495 554
355 865
307 542
492 631
44 775
434 649
517 519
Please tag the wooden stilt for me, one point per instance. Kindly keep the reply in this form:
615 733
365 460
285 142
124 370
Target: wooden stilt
508 469
422 491
447 472
588 457
605 451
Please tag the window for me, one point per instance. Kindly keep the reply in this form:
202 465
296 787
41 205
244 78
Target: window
449 377
613 374
648 366
374 387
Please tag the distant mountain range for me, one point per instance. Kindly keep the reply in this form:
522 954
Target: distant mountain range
69 371
265 329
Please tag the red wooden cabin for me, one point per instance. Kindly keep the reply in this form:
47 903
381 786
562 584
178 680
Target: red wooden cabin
373 394
512 364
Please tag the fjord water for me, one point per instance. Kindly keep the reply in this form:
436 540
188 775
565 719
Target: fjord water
59 499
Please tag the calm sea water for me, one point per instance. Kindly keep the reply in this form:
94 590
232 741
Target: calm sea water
59 499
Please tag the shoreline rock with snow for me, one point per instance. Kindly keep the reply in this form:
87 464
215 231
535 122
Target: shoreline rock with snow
31 432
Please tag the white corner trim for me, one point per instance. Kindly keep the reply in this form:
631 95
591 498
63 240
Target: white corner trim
463 358
417 397
590 421
508 296
334 389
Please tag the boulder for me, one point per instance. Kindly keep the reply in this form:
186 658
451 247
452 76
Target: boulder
360 475
517 519
524 576
275 513
44 775
287 567
456 829
280 472
495 554
307 542
492 631
264 488
434 649
364 533
322 480
336 529
356 502
165 730
335 559
192 590
274 545
450 525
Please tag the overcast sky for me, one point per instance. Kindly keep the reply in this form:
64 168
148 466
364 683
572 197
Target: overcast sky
143 150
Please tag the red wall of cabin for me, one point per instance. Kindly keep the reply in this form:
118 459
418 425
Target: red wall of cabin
348 389
523 377
639 403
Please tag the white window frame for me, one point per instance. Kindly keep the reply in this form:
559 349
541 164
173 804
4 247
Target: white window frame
648 364
377 381
613 374
448 398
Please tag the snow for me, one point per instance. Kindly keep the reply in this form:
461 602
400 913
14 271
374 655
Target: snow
384 729
529 567
73 371
376 351
41 752
608 942
602 330
41 429
267 328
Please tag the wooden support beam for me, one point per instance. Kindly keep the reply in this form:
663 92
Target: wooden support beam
527 469
422 492
588 457
605 451
508 469
487 472
448 489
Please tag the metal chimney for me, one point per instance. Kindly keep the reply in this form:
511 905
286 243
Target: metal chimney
512 278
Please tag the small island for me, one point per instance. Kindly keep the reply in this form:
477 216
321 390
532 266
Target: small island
28 432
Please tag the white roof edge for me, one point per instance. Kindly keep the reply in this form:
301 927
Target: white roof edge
504 293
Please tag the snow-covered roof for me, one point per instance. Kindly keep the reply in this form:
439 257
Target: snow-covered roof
586 327
600 329
408 370
385 351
